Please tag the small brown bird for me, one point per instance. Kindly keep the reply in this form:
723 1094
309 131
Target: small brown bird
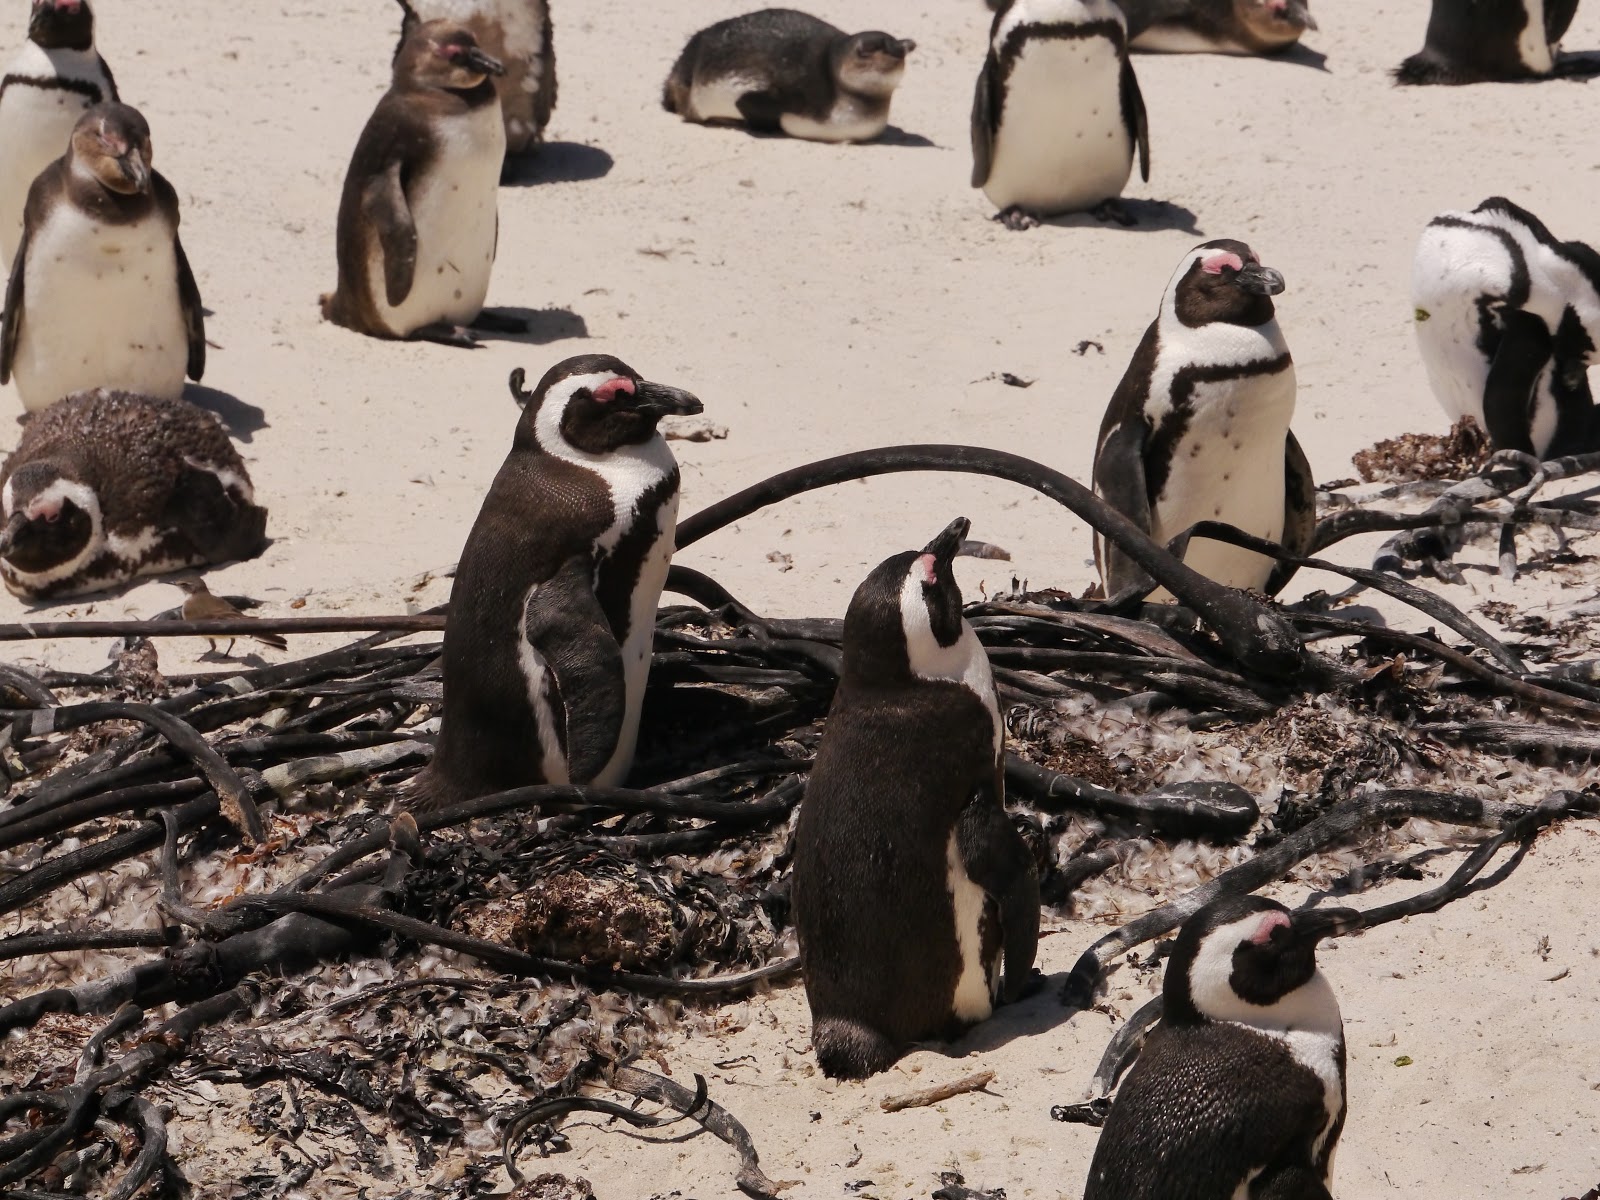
200 605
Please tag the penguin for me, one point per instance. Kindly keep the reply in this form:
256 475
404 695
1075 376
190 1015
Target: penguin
108 486
44 89
518 33
1198 429
1057 114
101 294
418 223
1216 26
552 614
915 899
1484 41
1507 319
1240 1090
779 70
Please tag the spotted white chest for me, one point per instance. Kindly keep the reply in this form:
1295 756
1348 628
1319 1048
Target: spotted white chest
850 120
100 309
453 206
1062 144
36 123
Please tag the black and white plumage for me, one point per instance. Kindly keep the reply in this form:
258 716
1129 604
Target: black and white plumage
1240 1090
1484 41
1198 428
547 645
44 89
1216 26
1057 115
1508 320
911 887
107 486
101 294
779 70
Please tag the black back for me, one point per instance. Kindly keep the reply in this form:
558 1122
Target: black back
1475 41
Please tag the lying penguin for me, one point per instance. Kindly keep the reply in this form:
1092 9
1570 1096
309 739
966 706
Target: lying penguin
1216 26
779 70
916 901
107 486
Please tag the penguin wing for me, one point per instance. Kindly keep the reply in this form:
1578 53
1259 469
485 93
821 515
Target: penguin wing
384 205
1133 115
11 322
985 115
194 321
1119 478
998 861
1558 15
566 627
1299 512
220 527
111 82
1524 350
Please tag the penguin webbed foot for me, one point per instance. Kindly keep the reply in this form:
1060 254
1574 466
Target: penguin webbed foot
498 321
1019 989
445 335
1016 218
1114 210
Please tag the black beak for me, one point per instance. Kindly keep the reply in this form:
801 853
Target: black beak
134 170
1310 926
9 533
662 401
947 545
1262 281
478 60
1300 15
906 46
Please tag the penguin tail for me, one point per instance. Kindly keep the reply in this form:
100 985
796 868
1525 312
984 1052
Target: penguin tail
431 789
847 1049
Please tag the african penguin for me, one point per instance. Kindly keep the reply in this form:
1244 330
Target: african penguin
1198 429
101 294
108 486
1508 319
43 91
782 70
1216 26
1240 1090
418 220
552 615
1057 114
911 886
1483 41
518 33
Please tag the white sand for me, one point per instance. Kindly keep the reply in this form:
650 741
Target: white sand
821 299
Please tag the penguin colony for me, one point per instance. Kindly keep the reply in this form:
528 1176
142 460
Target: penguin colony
916 900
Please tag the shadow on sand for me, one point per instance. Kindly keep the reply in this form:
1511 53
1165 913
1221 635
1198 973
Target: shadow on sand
557 162
243 420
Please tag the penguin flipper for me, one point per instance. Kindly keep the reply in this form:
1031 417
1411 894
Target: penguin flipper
111 81
385 208
568 629
997 860
220 527
1299 512
984 118
1524 350
1558 16
11 322
1298 1182
1119 478
1134 116
194 321
761 111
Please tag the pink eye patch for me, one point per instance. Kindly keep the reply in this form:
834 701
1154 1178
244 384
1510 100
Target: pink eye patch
1215 264
930 569
609 389
1273 920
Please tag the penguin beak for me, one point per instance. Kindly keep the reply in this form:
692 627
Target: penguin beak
134 170
659 400
479 61
905 46
1259 280
9 533
1309 927
947 545
1300 15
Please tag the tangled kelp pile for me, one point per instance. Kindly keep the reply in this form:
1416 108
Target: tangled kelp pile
231 975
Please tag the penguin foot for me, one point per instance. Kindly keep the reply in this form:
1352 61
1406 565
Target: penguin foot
491 321
1016 218
1114 210
445 335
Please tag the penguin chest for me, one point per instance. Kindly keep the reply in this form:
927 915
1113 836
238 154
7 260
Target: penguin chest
978 981
1228 465
100 309
850 120
1062 144
453 207
1459 275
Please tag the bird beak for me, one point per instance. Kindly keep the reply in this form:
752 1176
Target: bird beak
134 170
1301 15
1312 925
1259 280
906 46
947 545
659 400
480 61
9 533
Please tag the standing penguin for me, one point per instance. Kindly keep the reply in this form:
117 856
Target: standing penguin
418 220
552 615
44 89
1216 26
518 33
1057 114
1198 429
101 294
1484 41
782 70
1240 1090
911 886
1508 320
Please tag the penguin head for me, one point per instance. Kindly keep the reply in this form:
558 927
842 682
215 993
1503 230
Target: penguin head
1223 281
61 25
52 519
444 54
596 404
1274 20
111 144
872 63
905 618
1249 960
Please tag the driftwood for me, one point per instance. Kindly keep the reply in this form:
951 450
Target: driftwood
932 1095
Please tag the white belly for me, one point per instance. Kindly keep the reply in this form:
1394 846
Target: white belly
1175 39
846 123
454 210
1453 270
717 99
100 309
1229 467
1061 145
974 997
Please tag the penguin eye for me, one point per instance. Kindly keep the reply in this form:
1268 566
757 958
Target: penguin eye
930 570
608 390
1220 262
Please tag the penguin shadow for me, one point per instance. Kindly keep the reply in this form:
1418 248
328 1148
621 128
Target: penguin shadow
557 162
1582 65
543 326
893 135
1040 1011
242 420
1301 55
1140 216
